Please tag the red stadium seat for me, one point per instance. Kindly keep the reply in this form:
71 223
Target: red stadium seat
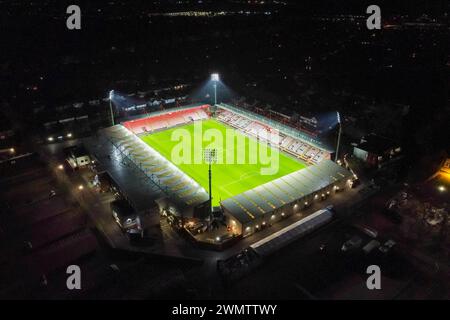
169 119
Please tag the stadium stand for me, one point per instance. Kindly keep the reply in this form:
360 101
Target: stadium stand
160 170
167 120
266 204
294 146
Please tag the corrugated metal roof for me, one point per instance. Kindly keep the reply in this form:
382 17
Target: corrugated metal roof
287 189
179 185
283 237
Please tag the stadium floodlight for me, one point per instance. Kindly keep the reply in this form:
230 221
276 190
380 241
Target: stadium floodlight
210 156
215 78
339 136
111 96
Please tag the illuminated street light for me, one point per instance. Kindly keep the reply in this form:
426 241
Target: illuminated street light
60 167
69 135
12 150
50 139
80 187
441 188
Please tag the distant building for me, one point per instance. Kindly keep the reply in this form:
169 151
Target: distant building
376 151
7 134
446 166
77 156
6 129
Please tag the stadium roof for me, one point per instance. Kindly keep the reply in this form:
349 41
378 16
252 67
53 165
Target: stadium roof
174 182
273 195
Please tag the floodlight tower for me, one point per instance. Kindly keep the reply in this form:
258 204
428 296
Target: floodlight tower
111 95
210 156
215 79
339 136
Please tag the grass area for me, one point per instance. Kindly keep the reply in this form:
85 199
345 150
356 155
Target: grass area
229 177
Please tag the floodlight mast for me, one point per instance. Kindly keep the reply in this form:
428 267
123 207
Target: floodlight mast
215 78
339 136
210 156
111 95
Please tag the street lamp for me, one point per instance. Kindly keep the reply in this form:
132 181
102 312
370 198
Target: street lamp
215 78
111 95
339 135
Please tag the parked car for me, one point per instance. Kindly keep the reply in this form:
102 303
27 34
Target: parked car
387 246
353 243
370 246
367 230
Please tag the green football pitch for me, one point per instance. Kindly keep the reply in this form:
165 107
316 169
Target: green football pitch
229 178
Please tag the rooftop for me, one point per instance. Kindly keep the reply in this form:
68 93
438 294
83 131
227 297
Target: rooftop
376 144
273 195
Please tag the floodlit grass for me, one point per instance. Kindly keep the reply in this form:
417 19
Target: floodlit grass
227 179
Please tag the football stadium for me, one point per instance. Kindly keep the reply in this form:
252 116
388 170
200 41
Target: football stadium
207 159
